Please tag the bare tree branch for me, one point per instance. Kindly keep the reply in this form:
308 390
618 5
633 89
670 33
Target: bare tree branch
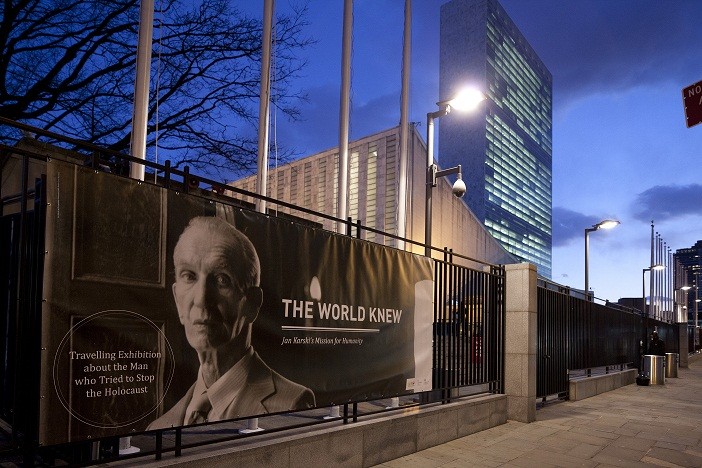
69 66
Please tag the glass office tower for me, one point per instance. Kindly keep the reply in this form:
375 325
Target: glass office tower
505 147
690 261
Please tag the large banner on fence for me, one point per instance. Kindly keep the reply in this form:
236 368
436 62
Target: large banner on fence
164 309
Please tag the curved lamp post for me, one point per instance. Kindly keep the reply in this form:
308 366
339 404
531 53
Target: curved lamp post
466 101
604 224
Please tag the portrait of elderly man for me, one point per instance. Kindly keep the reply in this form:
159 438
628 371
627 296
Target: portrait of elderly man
218 296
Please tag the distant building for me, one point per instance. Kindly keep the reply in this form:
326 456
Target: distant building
505 149
632 302
311 183
690 260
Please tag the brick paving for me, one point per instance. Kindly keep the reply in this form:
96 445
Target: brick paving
659 425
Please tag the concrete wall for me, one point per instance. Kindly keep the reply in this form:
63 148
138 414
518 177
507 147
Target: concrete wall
590 386
364 443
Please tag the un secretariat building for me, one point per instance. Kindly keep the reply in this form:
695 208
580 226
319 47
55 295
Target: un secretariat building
505 147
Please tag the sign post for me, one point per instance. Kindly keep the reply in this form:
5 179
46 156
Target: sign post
692 100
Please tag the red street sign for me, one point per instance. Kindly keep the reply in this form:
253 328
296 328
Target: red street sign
692 100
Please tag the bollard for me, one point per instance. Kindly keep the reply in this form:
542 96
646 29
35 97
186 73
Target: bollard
333 413
671 364
126 447
251 426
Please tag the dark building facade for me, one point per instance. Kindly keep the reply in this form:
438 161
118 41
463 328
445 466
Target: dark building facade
505 148
690 261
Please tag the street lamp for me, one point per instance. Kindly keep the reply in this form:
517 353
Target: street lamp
679 305
605 224
467 100
656 267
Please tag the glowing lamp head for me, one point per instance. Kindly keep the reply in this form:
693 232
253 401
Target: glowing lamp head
607 224
467 100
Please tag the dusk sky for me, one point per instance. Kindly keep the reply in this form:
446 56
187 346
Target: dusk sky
621 148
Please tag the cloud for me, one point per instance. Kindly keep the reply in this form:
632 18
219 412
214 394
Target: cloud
667 202
600 46
569 225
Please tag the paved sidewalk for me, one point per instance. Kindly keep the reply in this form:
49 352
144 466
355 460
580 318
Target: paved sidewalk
660 425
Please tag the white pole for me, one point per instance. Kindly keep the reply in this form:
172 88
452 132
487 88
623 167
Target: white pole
404 129
263 121
428 185
341 211
140 119
264 105
140 113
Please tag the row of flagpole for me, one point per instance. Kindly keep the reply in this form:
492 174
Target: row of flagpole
141 101
661 297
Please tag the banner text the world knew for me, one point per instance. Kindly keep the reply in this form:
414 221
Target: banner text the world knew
340 312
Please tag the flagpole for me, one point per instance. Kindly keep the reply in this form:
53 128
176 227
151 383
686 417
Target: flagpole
140 113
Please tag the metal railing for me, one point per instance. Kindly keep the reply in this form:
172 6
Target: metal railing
468 336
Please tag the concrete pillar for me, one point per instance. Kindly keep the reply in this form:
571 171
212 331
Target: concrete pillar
684 362
520 342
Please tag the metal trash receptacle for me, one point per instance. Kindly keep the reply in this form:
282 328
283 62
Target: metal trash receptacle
654 367
671 364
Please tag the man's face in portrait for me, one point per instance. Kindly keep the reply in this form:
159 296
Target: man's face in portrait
211 304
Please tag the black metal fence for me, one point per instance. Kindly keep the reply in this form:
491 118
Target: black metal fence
579 335
468 326
468 338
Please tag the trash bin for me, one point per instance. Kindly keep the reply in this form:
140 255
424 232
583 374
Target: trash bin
654 367
671 364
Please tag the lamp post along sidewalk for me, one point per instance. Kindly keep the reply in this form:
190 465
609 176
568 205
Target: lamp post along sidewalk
605 224
467 100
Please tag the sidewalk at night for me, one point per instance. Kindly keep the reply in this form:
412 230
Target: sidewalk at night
633 425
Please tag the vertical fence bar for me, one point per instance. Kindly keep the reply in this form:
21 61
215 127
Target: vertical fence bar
178 442
167 174
488 339
472 325
186 179
37 293
453 337
488 331
501 324
20 419
159 445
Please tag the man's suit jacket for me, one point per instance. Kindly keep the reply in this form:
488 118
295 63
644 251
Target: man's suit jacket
265 391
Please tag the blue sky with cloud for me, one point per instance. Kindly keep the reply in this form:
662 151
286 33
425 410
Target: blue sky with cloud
621 148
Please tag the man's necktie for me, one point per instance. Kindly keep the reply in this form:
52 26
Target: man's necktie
202 409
